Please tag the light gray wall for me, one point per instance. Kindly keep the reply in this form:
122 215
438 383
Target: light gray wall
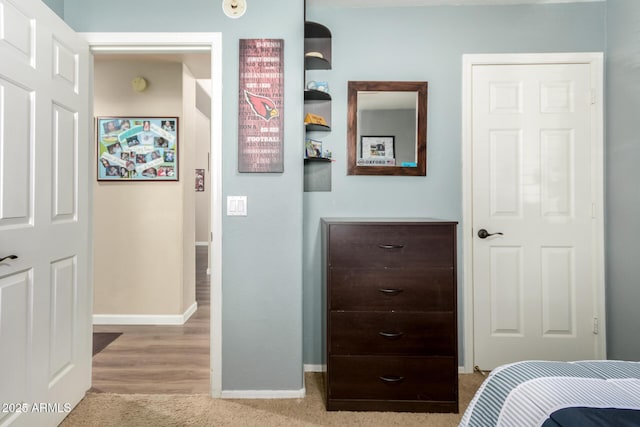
262 304
622 178
420 44
56 5
262 253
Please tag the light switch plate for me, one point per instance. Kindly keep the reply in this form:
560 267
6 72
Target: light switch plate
236 205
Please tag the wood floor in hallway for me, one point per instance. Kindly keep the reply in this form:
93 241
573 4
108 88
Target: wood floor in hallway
159 359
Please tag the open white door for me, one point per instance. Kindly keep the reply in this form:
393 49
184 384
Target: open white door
45 294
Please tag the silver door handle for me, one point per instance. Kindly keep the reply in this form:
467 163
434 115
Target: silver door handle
9 257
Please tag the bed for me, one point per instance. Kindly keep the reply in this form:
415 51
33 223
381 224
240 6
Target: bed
558 394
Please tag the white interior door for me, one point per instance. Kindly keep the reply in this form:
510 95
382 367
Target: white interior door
534 285
45 294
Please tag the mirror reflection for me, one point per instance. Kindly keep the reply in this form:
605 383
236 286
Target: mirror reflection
387 131
387 128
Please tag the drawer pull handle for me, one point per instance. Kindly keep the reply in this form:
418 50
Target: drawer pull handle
391 335
391 246
391 379
390 292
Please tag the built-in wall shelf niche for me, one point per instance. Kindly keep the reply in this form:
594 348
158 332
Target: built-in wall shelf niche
317 46
317 174
317 56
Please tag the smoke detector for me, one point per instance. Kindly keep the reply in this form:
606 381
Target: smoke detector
234 8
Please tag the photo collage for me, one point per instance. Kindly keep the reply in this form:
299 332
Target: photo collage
137 148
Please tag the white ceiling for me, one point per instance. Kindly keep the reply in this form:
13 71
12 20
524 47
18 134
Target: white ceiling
409 3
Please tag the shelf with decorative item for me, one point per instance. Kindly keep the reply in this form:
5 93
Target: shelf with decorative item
317 46
316 63
315 122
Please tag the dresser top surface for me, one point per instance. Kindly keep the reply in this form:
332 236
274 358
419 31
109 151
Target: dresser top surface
385 220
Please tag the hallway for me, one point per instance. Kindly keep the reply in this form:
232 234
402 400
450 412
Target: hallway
159 359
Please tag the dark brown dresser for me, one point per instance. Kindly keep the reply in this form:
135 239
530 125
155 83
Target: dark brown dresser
391 315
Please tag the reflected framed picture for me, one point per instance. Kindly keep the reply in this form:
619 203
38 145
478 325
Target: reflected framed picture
137 148
377 151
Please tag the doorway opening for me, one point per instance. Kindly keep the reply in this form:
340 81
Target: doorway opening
178 53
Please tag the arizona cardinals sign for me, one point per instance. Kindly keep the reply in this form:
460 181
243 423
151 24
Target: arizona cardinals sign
262 106
261 96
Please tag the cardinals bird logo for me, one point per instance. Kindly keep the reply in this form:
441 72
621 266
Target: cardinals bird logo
263 107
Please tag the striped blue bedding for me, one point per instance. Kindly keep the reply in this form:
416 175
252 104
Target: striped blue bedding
528 393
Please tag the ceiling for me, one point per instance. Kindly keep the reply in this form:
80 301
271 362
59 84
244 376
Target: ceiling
368 100
409 3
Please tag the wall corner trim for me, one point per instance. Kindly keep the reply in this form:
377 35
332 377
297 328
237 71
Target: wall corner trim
315 368
264 394
145 319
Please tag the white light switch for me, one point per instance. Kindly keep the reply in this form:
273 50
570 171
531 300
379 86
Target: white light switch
236 205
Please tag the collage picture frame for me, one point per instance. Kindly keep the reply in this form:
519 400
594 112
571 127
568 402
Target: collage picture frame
137 149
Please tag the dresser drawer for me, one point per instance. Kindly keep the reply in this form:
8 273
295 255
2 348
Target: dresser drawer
411 334
397 290
390 246
392 378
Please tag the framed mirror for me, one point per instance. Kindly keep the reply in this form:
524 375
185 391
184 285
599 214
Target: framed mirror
387 128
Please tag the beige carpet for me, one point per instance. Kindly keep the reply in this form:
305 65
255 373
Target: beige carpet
139 410
177 410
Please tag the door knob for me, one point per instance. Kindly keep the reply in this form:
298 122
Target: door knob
9 257
483 234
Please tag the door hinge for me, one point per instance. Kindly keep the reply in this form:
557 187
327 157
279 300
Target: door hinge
593 97
596 326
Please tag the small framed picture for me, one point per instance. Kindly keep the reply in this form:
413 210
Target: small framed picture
377 151
313 148
199 179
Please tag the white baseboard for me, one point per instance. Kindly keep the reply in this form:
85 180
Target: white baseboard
263 394
145 319
202 243
189 312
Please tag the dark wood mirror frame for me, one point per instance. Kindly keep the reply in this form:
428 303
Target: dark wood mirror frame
352 123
